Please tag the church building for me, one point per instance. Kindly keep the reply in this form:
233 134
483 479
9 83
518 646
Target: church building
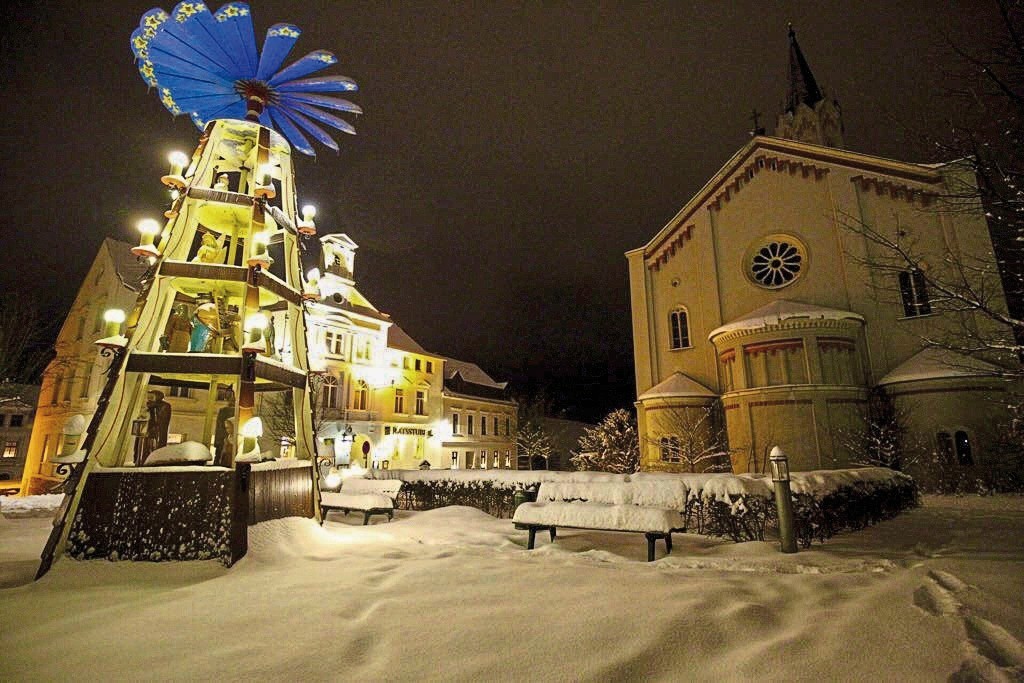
761 319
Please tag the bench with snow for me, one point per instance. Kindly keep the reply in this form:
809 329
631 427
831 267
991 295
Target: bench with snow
369 496
648 507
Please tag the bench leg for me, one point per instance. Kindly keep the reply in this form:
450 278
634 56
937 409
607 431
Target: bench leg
391 515
533 537
552 532
651 538
366 518
668 543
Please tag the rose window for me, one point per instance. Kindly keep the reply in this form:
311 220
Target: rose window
776 262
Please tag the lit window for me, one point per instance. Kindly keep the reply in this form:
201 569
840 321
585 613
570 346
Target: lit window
181 392
10 449
329 392
914 294
399 400
455 423
469 425
455 460
679 329
508 459
421 403
963 448
670 449
359 396
483 460
496 460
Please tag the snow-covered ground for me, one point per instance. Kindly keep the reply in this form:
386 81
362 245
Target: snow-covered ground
452 594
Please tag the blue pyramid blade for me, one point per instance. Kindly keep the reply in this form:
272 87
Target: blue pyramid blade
190 86
165 62
290 106
203 116
335 103
265 119
293 134
148 25
311 128
311 63
276 46
192 23
204 101
320 84
239 36
170 45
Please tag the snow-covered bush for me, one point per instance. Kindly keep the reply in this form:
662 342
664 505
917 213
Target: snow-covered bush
612 446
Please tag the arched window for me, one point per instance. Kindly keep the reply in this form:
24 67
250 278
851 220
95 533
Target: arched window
359 396
963 448
679 329
329 392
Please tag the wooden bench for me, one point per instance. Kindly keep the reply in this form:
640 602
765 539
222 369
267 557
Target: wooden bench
650 509
368 496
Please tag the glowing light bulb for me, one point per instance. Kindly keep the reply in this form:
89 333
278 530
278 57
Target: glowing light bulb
253 428
306 225
178 162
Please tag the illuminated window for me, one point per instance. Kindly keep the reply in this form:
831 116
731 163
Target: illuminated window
455 460
496 466
963 448
455 423
508 459
181 392
483 460
679 329
359 396
914 294
399 400
10 449
329 392
333 341
469 425
421 403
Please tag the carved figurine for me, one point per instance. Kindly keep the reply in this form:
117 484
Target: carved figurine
158 424
212 250
231 329
205 324
179 330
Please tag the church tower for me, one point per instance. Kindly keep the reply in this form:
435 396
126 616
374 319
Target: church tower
809 116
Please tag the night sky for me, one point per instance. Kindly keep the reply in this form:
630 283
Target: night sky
509 154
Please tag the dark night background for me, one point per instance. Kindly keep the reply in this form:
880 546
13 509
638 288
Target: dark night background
510 152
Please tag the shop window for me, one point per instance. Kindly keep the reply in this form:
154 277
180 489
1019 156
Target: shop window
679 329
455 460
914 294
963 448
10 449
508 460
483 460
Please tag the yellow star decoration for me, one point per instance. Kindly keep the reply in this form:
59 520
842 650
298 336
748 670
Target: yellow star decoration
169 102
231 11
187 9
154 20
286 31
325 57
142 47
147 72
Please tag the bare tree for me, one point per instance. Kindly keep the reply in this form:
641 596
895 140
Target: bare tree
692 436
24 347
533 442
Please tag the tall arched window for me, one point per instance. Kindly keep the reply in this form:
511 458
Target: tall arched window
359 396
963 448
679 329
329 392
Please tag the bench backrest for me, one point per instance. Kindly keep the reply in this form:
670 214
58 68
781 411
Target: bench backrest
667 493
386 487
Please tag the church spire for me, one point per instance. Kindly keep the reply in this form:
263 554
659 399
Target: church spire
802 86
809 116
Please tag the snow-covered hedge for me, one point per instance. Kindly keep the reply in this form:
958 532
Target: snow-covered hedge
740 507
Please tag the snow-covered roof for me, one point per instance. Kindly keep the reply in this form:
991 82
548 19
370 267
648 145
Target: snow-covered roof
399 339
470 372
129 267
780 310
678 385
935 363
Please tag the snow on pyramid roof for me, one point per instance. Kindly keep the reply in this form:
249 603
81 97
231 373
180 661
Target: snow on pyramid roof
782 309
932 363
677 385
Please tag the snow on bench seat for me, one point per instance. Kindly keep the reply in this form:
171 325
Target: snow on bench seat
369 496
599 516
355 501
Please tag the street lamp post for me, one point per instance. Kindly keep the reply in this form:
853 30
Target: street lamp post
783 500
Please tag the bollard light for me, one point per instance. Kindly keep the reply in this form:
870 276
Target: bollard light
176 177
149 229
783 500
306 225
113 318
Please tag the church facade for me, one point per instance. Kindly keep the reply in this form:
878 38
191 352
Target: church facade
760 317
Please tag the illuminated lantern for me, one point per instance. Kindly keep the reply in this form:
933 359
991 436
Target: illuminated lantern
306 225
113 318
312 289
149 229
255 324
176 178
260 256
265 182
